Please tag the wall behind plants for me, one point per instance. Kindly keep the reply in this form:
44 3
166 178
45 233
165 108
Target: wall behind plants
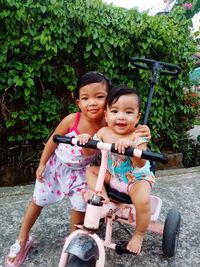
45 45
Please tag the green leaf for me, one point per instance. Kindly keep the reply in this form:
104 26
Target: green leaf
18 66
14 115
18 81
34 117
9 123
10 81
111 40
19 138
23 117
98 44
106 47
2 77
102 39
30 69
27 92
86 55
43 39
39 117
4 49
43 9
95 52
29 136
89 46
95 35
29 82
20 14
11 139
77 32
74 39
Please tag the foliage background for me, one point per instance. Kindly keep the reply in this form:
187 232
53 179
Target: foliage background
194 9
45 45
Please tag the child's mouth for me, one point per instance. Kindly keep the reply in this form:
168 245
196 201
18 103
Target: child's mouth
93 110
121 125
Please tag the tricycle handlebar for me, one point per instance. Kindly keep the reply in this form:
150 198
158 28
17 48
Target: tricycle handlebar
164 68
95 144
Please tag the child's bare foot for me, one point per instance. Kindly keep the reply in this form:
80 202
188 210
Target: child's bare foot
135 244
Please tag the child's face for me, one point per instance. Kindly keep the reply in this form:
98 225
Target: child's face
123 115
92 99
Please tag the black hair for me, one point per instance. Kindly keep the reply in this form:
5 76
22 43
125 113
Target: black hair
121 90
92 77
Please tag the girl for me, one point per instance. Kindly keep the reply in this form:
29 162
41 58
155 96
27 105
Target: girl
61 170
125 174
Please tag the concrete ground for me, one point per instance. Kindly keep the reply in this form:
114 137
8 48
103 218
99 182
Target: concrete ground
177 188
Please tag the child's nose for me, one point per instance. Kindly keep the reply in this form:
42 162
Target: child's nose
120 116
92 102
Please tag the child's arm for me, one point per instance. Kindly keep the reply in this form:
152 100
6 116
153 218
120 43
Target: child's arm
50 146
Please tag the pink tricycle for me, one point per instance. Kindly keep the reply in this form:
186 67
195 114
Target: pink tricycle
83 247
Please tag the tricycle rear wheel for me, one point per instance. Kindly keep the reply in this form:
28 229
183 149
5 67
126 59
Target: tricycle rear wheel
171 233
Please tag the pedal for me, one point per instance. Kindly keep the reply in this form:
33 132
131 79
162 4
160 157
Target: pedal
121 248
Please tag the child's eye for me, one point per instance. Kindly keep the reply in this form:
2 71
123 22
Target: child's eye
113 111
101 96
130 112
84 98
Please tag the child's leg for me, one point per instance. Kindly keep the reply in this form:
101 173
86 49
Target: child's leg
140 196
91 177
77 217
32 213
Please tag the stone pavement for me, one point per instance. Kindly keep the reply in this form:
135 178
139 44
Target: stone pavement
177 188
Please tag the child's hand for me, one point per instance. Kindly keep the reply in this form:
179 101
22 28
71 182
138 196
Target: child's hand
122 144
83 138
39 173
143 131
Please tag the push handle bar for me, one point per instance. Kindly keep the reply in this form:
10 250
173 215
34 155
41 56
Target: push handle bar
164 68
95 144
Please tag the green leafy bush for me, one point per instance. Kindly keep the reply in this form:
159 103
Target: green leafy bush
45 45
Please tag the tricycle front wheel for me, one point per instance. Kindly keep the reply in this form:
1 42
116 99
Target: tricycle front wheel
74 261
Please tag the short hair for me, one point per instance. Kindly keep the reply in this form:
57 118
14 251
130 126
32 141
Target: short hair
92 77
121 90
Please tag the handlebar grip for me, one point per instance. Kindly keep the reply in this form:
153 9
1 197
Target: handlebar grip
62 139
154 157
95 144
130 151
134 61
174 70
72 141
89 144
165 68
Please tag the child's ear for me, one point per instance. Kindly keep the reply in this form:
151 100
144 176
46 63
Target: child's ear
77 102
106 115
139 116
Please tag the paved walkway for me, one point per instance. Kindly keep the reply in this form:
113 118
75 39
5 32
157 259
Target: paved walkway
177 188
